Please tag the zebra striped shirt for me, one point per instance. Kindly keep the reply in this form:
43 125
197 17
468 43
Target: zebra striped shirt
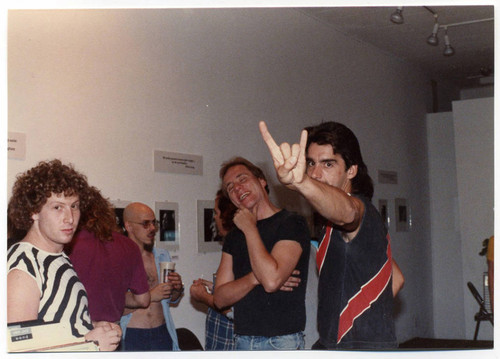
63 298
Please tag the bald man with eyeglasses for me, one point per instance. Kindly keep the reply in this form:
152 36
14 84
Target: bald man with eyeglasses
151 328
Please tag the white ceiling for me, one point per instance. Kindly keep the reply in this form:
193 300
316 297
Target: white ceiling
473 43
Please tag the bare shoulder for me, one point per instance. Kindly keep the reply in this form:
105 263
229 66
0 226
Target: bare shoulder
16 276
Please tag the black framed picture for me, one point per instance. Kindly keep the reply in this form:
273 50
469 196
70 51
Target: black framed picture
167 214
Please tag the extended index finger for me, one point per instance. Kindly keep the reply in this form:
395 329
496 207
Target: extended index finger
271 144
303 141
303 144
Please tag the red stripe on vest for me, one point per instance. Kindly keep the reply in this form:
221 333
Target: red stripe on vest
368 294
323 248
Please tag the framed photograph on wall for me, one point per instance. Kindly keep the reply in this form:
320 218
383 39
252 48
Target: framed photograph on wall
383 209
167 214
403 215
119 207
208 239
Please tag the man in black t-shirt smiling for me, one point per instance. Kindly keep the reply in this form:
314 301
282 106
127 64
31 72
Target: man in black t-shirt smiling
258 258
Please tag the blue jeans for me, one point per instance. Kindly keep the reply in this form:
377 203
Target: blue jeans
281 342
155 339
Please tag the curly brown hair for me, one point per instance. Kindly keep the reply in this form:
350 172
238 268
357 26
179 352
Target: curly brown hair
33 187
227 210
100 217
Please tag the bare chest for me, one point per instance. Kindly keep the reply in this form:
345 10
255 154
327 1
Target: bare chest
150 267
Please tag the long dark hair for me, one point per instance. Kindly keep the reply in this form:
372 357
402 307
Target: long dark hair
227 210
344 143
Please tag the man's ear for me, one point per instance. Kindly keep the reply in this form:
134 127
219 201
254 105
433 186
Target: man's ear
263 182
352 171
35 217
126 224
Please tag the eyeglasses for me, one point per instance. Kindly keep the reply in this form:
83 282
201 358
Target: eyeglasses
147 223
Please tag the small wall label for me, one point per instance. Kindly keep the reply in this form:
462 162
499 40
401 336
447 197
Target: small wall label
16 146
180 163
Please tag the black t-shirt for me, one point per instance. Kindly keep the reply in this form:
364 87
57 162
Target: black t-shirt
270 314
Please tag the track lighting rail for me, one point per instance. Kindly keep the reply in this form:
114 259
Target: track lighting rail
397 18
465 23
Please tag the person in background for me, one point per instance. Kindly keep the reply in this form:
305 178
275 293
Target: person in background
151 328
219 327
42 285
108 263
355 293
398 280
257 259
491 268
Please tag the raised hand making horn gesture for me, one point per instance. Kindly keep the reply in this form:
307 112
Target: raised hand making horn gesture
289 160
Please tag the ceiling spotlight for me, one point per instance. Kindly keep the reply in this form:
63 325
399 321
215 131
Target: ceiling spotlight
448 50
433 39
397 16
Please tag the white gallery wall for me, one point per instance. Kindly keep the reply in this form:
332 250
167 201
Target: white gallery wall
449 319
474 144
103 89
462 191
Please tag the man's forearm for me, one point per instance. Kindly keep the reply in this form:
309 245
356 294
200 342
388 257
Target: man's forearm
208 300
272 269
232 292
264 266
176 294
134 301
331 202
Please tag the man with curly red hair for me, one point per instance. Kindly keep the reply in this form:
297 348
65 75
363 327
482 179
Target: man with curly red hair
47 202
